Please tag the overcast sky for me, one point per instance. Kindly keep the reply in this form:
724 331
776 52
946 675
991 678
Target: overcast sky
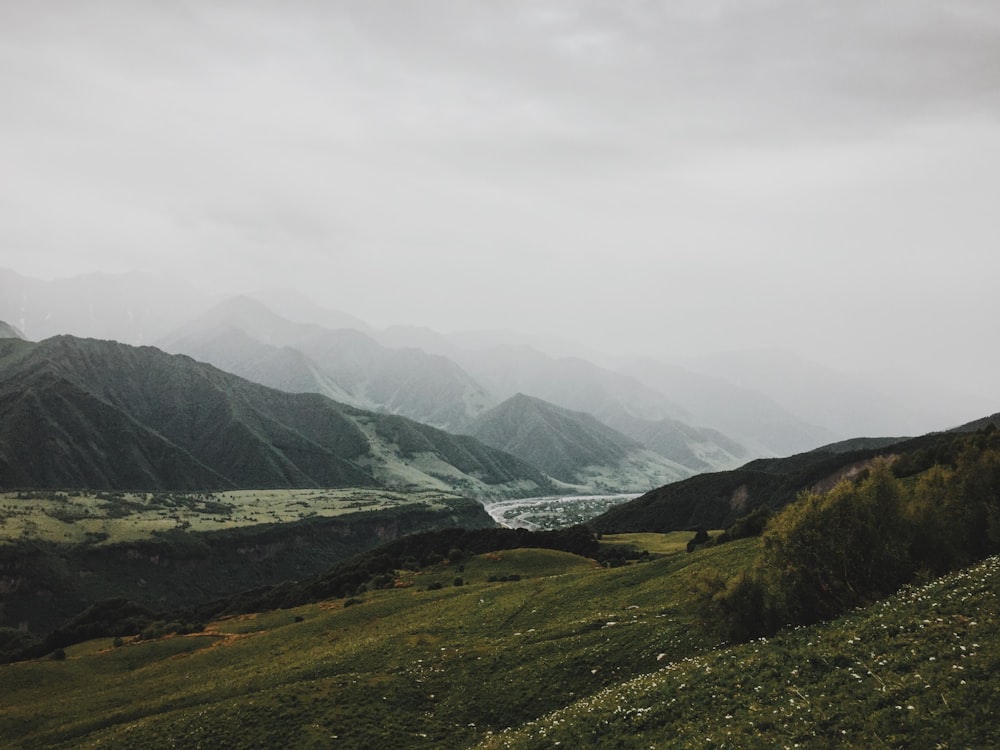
672 177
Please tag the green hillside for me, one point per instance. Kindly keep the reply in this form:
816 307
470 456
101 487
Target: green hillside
866 613
570 655
409 666
63 552
717 499
914 671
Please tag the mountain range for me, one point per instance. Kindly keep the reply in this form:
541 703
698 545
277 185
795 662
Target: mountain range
243 336
102 415
716 500
710 413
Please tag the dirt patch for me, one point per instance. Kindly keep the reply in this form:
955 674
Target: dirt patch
738 500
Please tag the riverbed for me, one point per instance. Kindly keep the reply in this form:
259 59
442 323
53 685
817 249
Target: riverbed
552 512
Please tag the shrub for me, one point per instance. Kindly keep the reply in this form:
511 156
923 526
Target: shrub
701 539
826 553
752 524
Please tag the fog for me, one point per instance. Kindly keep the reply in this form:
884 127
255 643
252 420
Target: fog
673 179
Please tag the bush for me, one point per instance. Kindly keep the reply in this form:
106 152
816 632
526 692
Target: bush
827 553
752 524
701 539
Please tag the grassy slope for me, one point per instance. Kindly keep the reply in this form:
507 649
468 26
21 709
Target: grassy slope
455 667
61 552
915 671
402 664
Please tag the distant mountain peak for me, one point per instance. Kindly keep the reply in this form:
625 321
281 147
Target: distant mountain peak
8 331
570 446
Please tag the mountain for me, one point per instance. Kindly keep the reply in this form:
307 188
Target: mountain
293 306
283 340
132 308
757 421
619 401
980 424
569 382
772 402
573 447
99 414
696 448
243 336
841 403
716 500
452 344
7 331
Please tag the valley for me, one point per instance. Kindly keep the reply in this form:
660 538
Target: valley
553 512
499 376
291 551
107 518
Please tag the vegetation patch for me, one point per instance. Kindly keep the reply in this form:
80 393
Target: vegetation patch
912 671
80 517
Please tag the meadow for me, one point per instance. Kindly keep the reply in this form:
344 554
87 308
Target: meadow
533 648
81 517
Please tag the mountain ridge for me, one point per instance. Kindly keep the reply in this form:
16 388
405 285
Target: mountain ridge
242 335
571 446
69 405
714 500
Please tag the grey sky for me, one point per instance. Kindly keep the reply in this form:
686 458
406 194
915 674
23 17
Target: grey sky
671 177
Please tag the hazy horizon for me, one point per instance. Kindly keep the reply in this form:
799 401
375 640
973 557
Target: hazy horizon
670 179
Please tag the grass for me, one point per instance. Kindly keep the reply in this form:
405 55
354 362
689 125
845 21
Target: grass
655 544
571 653
447 663
913 671
107 518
